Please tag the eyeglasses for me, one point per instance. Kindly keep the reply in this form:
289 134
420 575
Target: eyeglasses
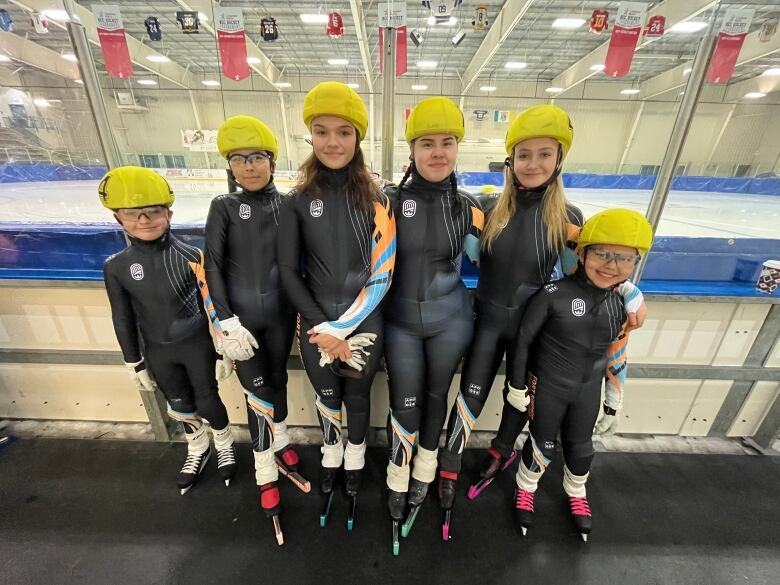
253 159
622 260
152 212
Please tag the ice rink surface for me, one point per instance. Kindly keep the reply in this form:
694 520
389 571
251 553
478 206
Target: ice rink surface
687 213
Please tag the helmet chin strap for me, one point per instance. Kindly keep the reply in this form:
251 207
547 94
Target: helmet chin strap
547 183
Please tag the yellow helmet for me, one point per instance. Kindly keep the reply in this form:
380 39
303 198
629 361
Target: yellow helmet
546 121
622 227
127 187
240 132
435 115
333 98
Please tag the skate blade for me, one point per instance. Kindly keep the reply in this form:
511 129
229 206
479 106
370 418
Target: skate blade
406 528
584 537
396 542
227 482
326 510
509 461
351 517
278 530
185 490
524 530
478 488
296 478
445 527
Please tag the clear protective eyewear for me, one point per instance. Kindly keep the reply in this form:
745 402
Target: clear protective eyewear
622 260
152 213
253 159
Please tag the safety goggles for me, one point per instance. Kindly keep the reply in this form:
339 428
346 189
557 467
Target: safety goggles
253 159
152 212
622 260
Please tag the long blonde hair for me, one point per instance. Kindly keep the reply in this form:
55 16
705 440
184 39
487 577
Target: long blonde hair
554 213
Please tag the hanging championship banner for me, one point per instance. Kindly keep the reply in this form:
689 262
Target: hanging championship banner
189 21
599 21
229 23
401 49
480 115
625 34
335 26
731 36
113 43
268 29
480 21
768 30
655 26
153 28
40 23
200 140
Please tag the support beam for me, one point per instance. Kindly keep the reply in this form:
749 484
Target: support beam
506 21
172 72
31 53
720 137
631 135
285 130
675 78
365 53
674 10
265 69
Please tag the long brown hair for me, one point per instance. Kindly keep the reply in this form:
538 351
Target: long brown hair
360 184
554 213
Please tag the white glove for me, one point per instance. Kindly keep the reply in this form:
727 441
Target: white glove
608 423
223 368
141 377
518 397
357 344
234 341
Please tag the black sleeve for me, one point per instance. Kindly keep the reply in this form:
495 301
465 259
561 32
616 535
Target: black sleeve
534 317
123 316
216 244
575 215
289 258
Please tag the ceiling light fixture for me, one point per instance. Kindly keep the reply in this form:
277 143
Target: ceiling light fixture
568 23
55 14
598 67
70 57
427 64
752 95
314 18
688 26
774 71
282 84
147 82
553 89
4 58
210 82
488 88
158 59
338 61
515 65
630 91
417 87
253 60
353 85
41 102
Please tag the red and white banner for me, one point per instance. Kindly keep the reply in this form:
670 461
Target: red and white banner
229 23
401 50
113 43
731 37
625 34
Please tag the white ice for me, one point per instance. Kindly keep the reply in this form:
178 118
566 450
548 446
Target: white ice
686 213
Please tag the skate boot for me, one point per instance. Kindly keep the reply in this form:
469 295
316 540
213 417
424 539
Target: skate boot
270 503
448 483
287 461
418 490
580 513
226 453
524 509
352 481
192 468
493 464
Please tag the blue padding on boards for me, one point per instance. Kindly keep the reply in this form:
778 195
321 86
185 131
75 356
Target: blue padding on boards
768 186
677 265
43 172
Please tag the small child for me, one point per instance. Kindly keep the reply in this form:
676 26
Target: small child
152 287
561 357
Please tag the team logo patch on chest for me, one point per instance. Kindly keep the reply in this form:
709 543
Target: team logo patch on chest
244 211
409 208
316 208
578 307
137 271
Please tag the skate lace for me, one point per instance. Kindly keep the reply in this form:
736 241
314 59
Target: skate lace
579 506
192 463
524 500
225 456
